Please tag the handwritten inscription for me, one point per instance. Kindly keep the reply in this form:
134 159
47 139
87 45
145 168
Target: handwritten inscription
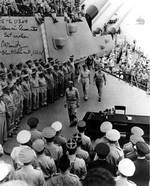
21 50
19 27
17 48
20 36
14 35
16 20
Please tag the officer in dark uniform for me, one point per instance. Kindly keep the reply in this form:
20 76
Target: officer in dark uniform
78 165
126 168
142 173
102 150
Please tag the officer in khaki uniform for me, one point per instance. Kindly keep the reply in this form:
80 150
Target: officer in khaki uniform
52 149
65 70
10 108
34 81
86 141
69 70
64 177
21 97
50 85
43 89
100 79
3 123
61 81
85 81
27 94
46 163
55 75
16 100
72 102
72 65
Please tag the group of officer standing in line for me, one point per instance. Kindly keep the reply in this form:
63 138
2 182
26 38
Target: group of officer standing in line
36 83
29 86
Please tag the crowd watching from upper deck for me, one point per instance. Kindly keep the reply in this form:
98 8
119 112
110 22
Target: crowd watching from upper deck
69 9
128 63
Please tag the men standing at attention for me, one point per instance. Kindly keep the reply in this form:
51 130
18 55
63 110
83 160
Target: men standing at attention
72 102
85 80
3 126
99 79
27 94
8 101
34 81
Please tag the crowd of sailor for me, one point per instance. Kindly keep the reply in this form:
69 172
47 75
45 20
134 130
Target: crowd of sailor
48 158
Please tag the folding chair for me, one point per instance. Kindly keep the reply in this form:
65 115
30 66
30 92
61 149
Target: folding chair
120 108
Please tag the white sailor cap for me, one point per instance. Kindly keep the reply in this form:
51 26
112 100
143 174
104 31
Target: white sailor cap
136 138
15 183
113 135
57 125
38 145
26 155
126 167
137 131
105 126
48 132
5 169
23 136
